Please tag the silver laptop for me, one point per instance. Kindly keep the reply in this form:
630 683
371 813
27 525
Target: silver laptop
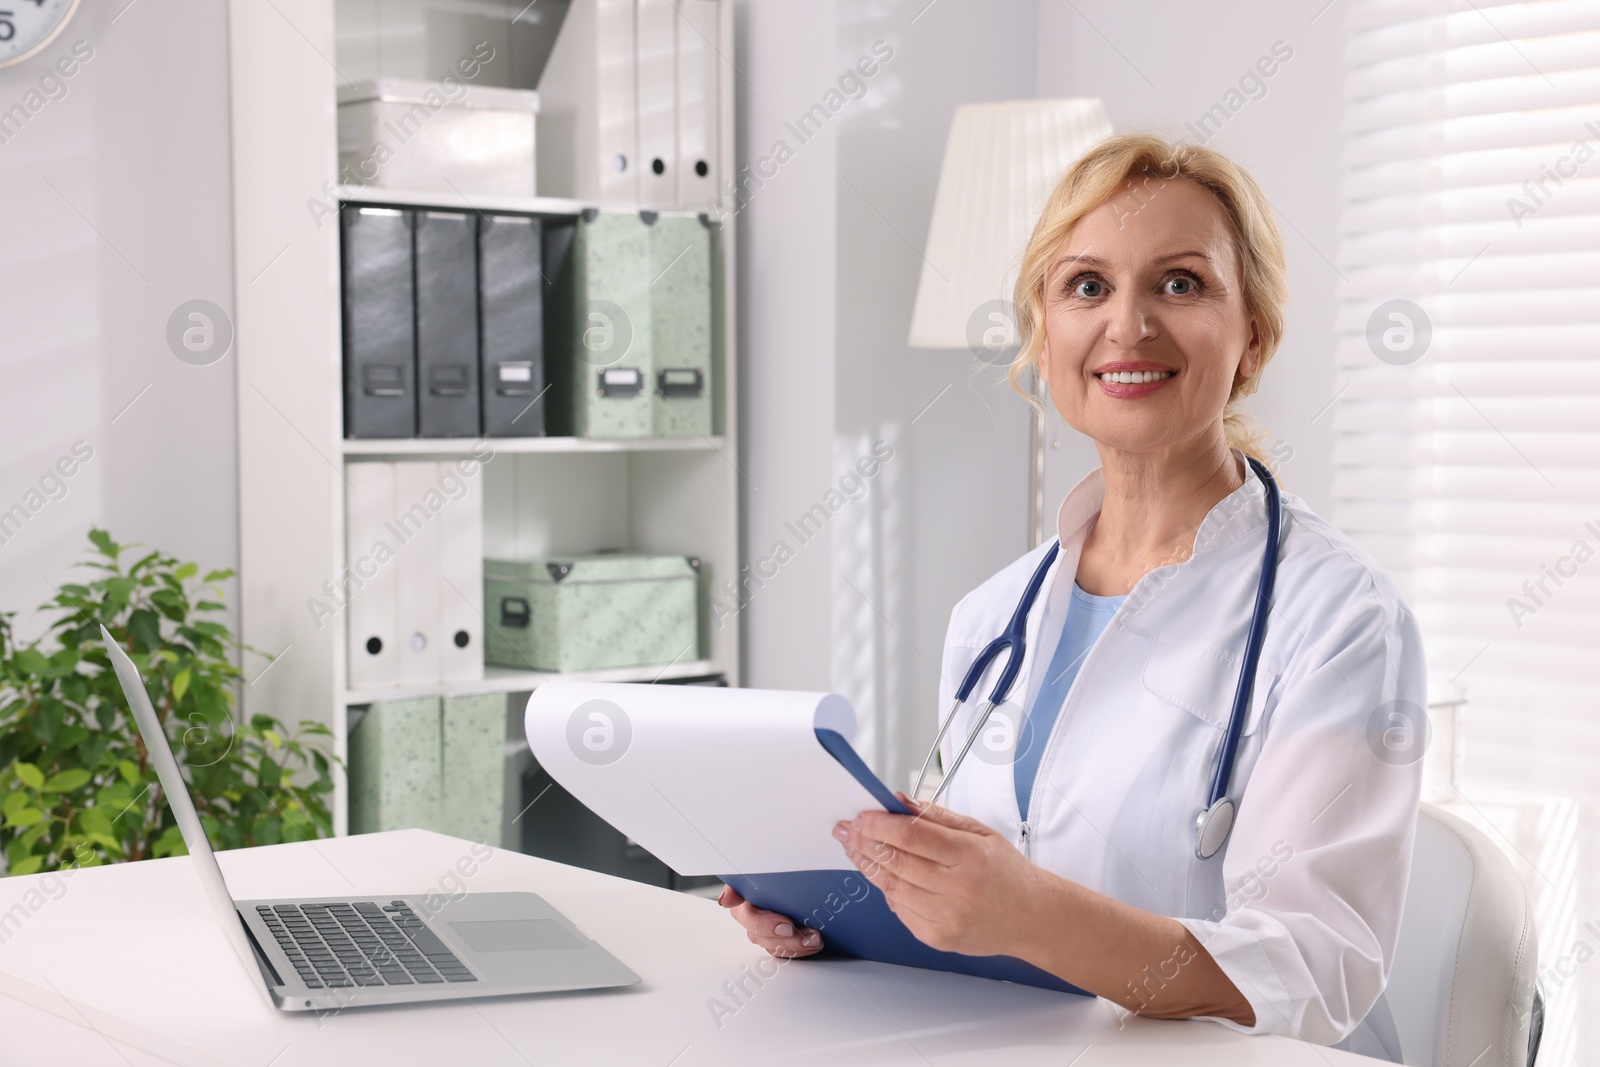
320 953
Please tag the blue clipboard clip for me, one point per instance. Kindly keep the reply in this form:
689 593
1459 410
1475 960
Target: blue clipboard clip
852 914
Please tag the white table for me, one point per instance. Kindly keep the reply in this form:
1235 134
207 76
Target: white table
126 965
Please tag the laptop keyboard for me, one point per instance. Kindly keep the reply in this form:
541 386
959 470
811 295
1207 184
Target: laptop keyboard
362 943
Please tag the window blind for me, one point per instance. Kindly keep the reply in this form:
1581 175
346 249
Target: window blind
1467 406
1467 410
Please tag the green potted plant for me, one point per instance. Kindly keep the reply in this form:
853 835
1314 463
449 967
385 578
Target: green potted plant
76 784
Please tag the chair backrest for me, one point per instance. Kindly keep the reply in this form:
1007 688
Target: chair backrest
1461 988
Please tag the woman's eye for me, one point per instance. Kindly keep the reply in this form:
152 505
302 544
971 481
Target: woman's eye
1088 288
1181 285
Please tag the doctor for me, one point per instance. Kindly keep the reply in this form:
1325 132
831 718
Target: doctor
1150 298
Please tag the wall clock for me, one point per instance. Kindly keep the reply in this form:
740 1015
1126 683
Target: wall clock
26 26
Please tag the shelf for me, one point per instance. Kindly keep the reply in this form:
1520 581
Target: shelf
505 680
463 446
522 205
529 205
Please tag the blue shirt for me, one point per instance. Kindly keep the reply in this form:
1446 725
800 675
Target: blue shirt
1086 619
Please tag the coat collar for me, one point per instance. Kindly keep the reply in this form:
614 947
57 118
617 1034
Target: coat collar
1241 512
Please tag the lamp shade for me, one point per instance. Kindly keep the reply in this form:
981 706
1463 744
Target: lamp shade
1000 163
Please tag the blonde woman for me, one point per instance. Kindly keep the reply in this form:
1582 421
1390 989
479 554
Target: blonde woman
1150 299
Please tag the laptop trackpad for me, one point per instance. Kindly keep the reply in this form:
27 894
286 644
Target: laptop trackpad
515 935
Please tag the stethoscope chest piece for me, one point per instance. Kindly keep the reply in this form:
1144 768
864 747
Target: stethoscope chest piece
1212 827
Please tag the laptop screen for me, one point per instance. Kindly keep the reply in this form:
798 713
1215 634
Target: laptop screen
177 791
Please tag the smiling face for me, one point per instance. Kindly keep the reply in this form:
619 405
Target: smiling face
1145 321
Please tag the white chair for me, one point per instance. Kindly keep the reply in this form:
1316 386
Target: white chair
1462 989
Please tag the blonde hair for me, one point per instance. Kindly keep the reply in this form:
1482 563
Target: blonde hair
1144 159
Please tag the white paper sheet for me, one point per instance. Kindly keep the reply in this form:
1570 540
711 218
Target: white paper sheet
710 780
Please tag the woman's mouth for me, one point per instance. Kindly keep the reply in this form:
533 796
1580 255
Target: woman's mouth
1131 384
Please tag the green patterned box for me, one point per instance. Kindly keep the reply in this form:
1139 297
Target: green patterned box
474 767
680 325
395 767
591 612
598 354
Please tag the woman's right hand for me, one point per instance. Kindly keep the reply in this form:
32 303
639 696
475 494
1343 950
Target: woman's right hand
773 932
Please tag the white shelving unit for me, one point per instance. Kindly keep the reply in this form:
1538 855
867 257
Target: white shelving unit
513 445
527 205
505 680
544 494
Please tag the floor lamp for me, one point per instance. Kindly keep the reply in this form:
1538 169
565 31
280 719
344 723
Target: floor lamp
1000 163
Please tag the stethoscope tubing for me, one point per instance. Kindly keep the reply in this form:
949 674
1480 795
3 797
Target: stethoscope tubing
1253 641
1012 641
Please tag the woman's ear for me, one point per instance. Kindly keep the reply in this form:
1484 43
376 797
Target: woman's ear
1250 361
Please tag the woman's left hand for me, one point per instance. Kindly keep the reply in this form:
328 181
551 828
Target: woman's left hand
955 883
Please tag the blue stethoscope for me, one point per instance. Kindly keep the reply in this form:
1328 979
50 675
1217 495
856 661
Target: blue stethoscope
1213 824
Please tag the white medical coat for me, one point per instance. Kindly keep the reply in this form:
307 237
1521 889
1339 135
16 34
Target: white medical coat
1301 908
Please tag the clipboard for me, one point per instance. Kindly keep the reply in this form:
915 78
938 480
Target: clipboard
708 780
854 917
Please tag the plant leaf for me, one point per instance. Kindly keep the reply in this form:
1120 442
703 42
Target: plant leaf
146 560
106 841
119 589
30 775
14 802
23 845
24 817
94 821
145 626
171 604
180 684
27 865
67 780
103 542
170 843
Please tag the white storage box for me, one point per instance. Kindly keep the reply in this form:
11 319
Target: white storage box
402 134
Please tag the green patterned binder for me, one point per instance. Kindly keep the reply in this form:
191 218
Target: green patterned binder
680 325
600 364
395 767
473 801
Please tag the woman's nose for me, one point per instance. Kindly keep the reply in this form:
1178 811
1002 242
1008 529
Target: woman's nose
1129 324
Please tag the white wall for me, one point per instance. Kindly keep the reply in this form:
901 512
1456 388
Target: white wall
951 508
831 252
1289 139
785 59
117 210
